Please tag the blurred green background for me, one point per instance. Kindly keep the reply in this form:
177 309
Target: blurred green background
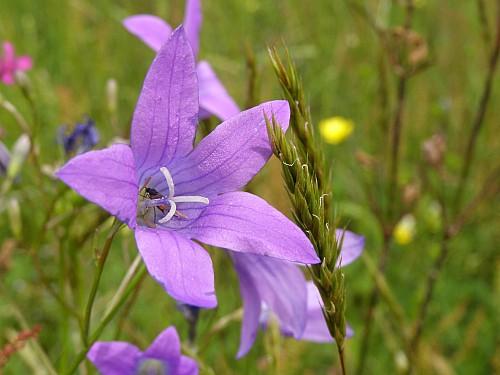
78 46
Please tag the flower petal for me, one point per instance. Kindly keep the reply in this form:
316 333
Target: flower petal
214 98
165 118
231 155
316 329
181 266
24 63
107 178
114 357
166 347
8 53
187 366
352 246
151 30
251 308
192 24
281 286
8 78
244 222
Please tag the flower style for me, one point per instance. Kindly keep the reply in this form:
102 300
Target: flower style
10 64
171 194
153 31
82 139
278 287
162 357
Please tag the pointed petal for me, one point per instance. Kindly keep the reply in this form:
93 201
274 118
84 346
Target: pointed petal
165 118
181 266
8 53
192 24
281 286
24 63
244 222
251 308
166 347
214 98
231 155
316 329
7 78
187 366
107 178
352 246
151 30
114 357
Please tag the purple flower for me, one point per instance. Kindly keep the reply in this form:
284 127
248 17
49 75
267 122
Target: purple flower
171 194
82 139
278 287
153 31
4 159
10 64
162 357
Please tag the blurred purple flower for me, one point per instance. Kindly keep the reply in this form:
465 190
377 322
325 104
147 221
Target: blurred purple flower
278 287
153 31
10 64
83 138
4 159
170 194
162 357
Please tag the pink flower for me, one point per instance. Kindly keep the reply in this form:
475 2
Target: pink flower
10 64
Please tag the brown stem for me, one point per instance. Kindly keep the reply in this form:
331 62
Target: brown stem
478 122
342 359
396 143
429 292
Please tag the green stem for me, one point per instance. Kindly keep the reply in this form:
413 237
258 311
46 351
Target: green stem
97 278
107 318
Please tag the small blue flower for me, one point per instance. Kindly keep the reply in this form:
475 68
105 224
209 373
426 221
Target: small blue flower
82 139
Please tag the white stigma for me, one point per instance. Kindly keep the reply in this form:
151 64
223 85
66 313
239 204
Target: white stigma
172 200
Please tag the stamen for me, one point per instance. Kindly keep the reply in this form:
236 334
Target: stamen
171 200
170 214
190 199
170 181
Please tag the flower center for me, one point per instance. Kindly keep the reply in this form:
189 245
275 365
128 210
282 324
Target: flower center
151 366
151 198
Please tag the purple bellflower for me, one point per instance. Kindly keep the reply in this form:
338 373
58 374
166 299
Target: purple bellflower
10 64
171 194
274 286
214 99
162 357
83 138
4 159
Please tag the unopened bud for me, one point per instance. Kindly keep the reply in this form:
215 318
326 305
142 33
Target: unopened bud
411 193
14 212
19 153
112 94
434 149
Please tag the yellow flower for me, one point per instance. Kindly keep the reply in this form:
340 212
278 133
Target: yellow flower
405 230
335 129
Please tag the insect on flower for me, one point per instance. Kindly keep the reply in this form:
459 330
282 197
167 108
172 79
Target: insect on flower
149 194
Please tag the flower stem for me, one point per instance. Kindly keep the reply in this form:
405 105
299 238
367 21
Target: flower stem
97 278
481 111
107 318
340 350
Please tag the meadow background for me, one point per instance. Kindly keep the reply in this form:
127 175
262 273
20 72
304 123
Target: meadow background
79 46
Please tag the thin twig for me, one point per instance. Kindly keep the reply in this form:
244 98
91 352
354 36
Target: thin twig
97 278
478 121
